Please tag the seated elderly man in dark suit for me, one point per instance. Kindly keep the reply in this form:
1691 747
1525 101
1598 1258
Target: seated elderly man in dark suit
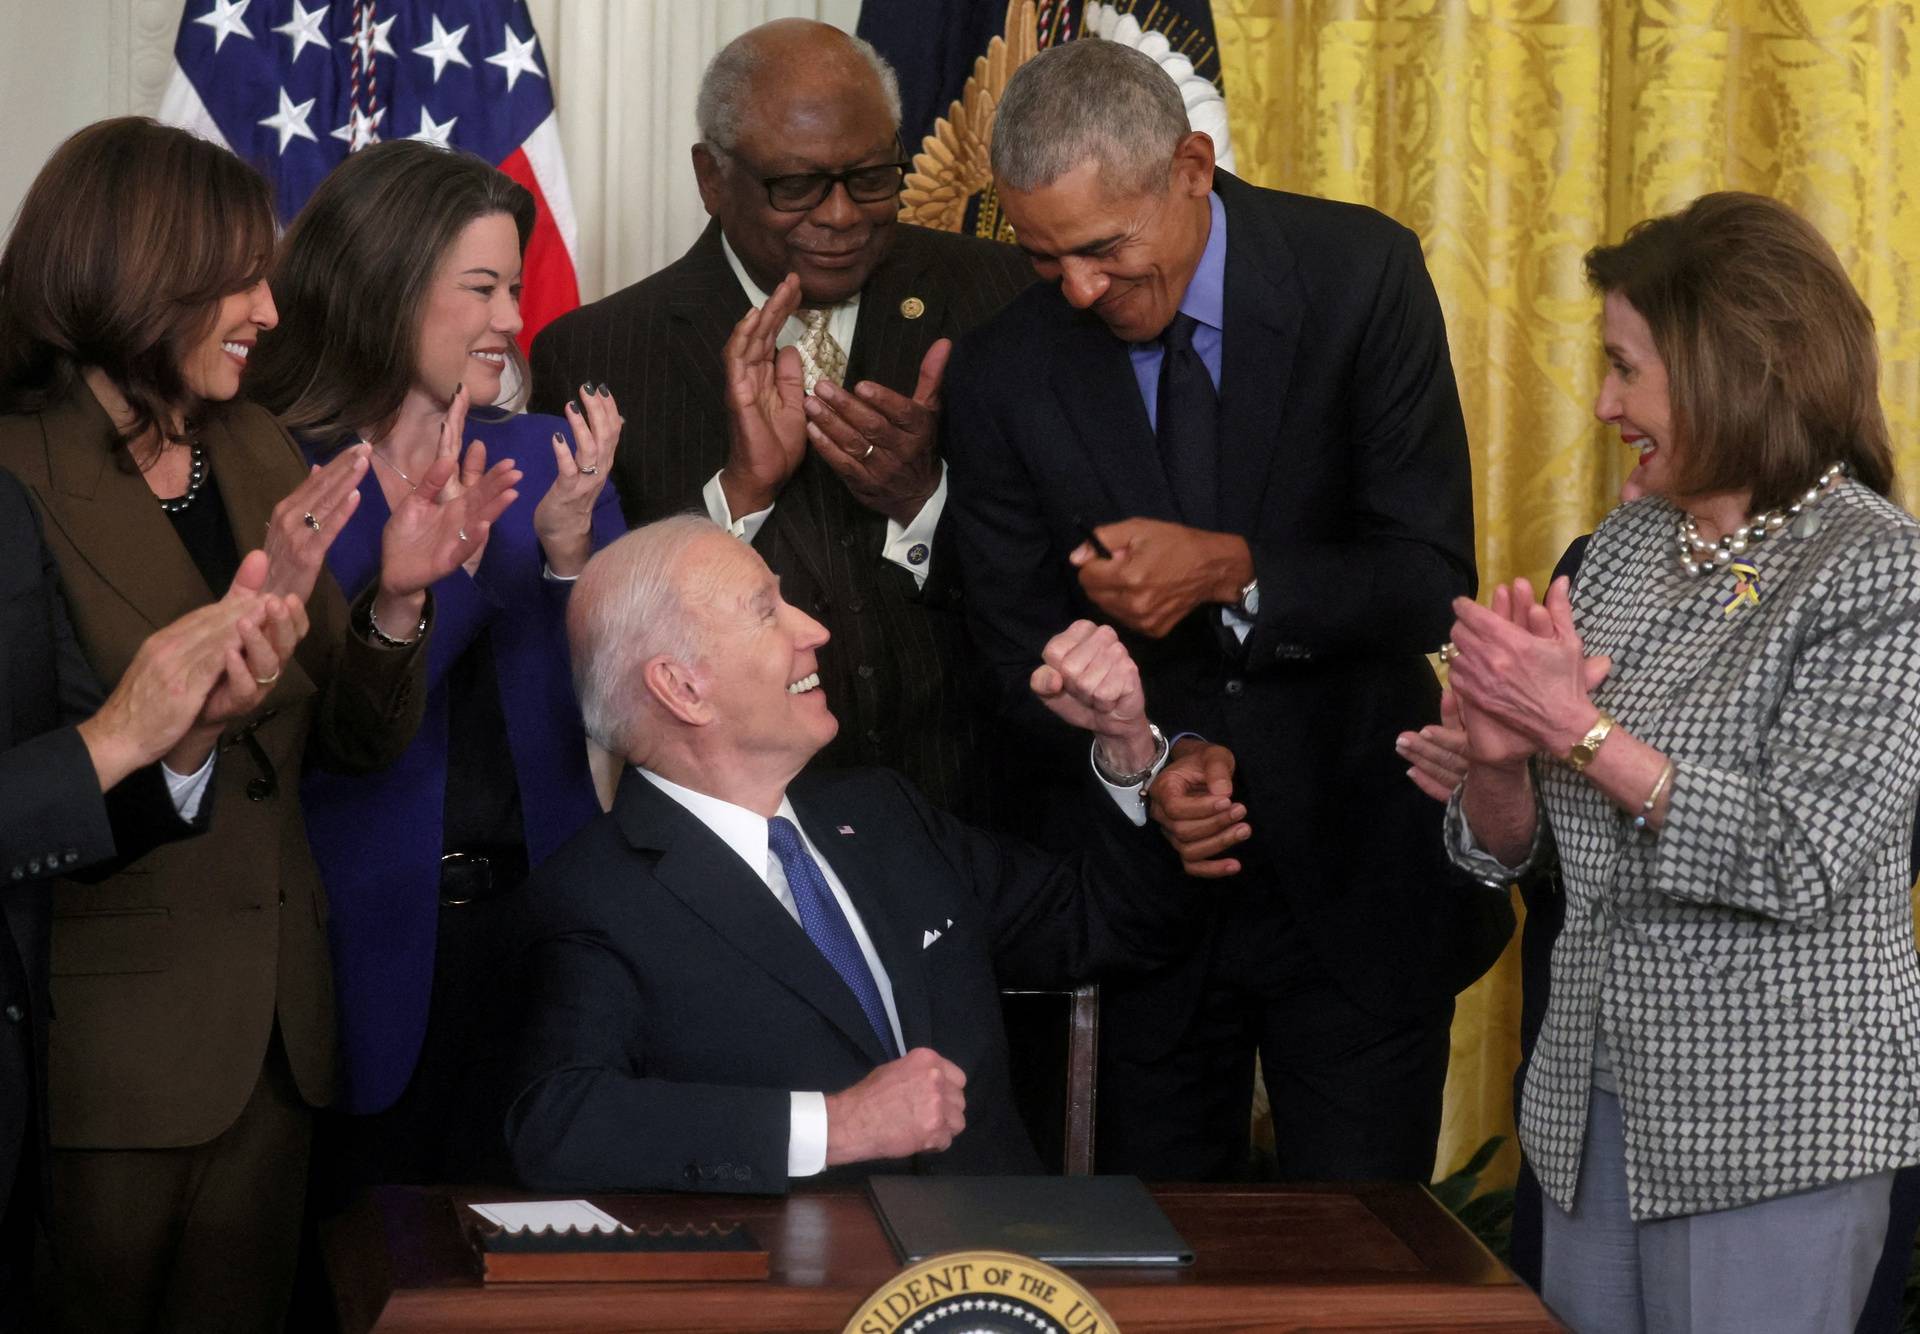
800 165
739 976
86 781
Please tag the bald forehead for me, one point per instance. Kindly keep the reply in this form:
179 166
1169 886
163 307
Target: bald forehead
809 72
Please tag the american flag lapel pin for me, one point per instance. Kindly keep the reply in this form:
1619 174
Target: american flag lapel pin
845 828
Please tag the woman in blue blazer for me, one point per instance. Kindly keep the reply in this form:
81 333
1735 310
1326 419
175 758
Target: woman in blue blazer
389 334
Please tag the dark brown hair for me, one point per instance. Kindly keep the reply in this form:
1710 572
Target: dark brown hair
352 277
1772 372
119 256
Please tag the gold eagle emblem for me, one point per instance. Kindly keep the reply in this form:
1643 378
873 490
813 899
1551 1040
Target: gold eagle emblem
952 173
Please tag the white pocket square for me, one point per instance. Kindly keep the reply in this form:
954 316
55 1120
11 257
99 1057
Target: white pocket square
929 937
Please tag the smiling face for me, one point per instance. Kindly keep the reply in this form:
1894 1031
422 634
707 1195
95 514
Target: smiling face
828 115
212 365
1634 397
471 313
760 675
1126 256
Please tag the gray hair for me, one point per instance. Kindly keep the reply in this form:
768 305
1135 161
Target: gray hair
725 87
628 607
1088 99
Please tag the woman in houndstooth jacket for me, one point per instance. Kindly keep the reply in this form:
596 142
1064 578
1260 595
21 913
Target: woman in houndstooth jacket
1721 747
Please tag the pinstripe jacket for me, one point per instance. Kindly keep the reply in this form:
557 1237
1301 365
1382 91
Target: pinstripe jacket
1753 968
892 670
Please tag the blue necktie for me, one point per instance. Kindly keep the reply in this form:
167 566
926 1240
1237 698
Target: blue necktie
1187 409
826 926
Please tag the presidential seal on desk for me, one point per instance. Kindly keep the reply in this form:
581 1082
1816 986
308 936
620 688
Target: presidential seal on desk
981 1292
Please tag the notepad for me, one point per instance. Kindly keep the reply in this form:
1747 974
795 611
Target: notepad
550 1216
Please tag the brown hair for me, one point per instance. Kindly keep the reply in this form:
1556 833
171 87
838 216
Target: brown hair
1772 372
353 274
124 246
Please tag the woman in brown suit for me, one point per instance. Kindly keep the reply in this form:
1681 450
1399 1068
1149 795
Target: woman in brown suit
194 1018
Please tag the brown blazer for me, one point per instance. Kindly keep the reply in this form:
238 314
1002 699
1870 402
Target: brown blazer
168 977
893 670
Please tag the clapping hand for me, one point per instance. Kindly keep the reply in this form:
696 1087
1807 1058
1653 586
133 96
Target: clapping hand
443 521
880 442
191 676
563 519
303 525
1521 675
266 646
766 422
1437 753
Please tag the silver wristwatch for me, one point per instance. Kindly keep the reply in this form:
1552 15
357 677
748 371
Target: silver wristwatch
1134 779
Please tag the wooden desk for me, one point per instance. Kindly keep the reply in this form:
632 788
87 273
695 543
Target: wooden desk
1376 1257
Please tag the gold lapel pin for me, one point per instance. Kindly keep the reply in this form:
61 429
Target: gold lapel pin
913 308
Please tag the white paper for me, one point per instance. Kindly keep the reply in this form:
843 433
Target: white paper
549 1215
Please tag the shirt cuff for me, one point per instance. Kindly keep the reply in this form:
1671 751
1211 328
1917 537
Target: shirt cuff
1465 851
187 790
1234 620
806 1134
911 547
546 573
747 527
1128 798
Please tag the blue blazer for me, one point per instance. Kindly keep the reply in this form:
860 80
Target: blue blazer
378 838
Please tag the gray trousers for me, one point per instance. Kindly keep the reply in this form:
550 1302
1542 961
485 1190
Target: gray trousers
1797 1264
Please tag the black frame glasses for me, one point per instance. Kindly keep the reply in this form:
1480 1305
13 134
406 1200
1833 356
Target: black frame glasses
870 184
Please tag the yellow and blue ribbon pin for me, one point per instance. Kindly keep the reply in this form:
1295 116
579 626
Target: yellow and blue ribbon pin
1746 588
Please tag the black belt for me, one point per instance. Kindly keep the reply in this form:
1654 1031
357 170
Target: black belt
473 877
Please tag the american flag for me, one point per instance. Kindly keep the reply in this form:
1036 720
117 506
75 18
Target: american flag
293 88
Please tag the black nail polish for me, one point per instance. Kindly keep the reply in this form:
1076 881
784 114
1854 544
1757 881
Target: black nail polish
457 388
575 405
601 389
586 389
559 439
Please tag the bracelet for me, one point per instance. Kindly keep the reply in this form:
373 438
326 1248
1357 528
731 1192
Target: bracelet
1653 797
385 640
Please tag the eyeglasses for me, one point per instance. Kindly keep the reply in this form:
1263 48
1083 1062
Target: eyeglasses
865 185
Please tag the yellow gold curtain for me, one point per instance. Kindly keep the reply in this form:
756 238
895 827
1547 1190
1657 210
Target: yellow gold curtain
1514 134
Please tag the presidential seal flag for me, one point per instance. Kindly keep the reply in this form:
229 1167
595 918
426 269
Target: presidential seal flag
293 88
954 58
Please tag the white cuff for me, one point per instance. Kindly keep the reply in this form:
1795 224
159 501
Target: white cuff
1128 798
747 527
806 1134
1241 625
546 573
187 790
911 547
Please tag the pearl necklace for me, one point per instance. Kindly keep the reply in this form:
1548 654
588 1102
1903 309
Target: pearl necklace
196 478
1699 556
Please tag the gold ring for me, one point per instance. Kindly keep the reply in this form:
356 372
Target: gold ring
1449 651
310 521
863 457
589 471
463 535
266 680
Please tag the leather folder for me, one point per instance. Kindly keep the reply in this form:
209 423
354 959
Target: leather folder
1097 1220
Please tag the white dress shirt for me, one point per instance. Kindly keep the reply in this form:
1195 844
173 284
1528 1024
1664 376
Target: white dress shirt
746 833
902 542
187 790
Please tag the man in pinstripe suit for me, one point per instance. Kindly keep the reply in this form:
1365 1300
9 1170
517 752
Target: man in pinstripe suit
841 490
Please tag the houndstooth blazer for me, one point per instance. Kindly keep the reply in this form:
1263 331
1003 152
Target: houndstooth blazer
1753 968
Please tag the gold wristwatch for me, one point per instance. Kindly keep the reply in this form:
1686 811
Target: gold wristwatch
1582 753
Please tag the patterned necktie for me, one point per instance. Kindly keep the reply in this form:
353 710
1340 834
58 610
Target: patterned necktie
820 357
1188 426
826 926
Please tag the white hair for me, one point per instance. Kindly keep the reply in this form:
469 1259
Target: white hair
1088 99
630 606
724 89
